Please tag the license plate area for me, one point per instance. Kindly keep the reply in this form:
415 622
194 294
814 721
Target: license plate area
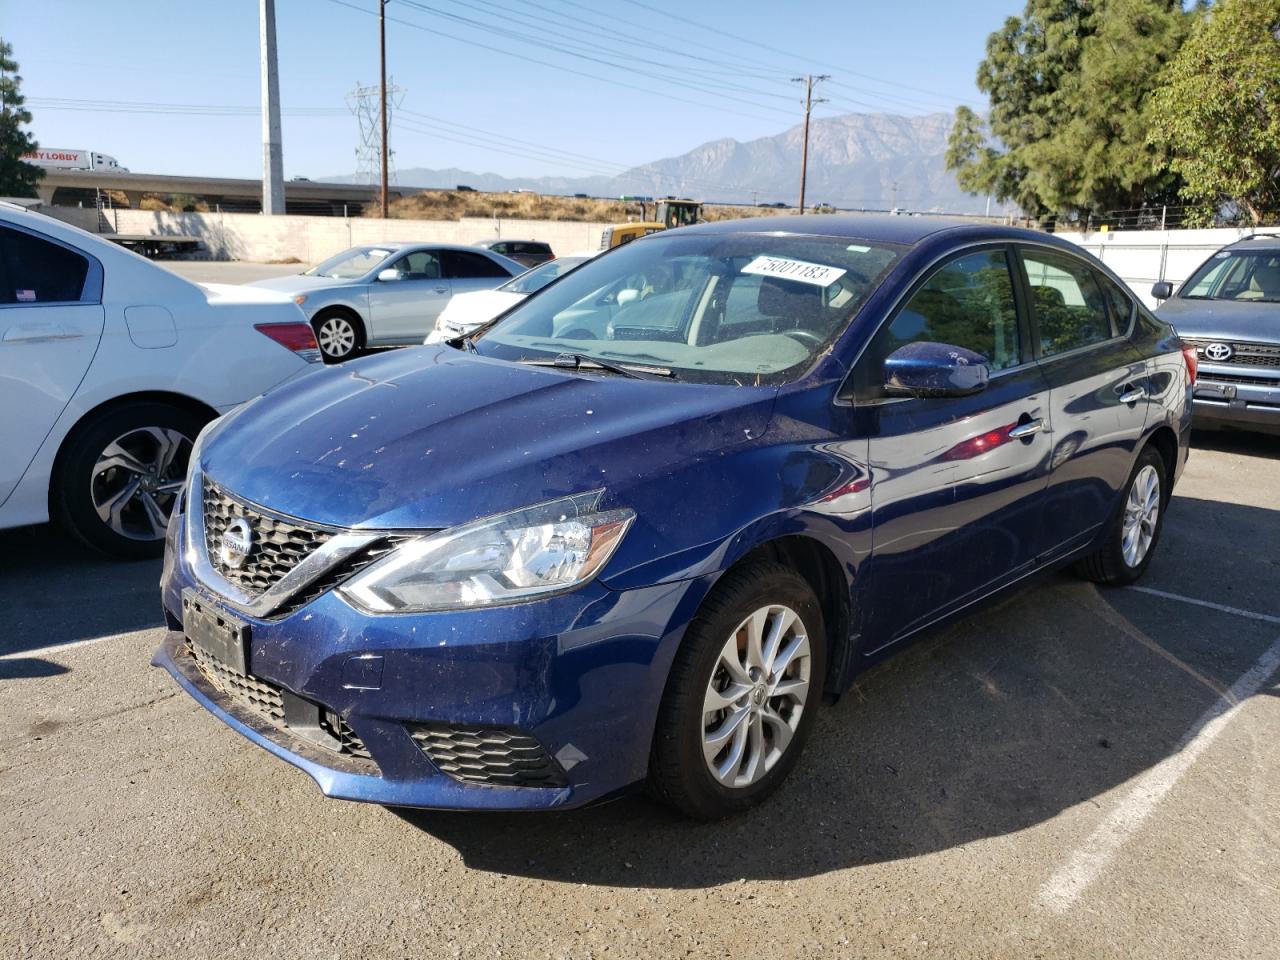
215 631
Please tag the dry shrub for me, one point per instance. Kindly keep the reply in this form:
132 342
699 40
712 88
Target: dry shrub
453 205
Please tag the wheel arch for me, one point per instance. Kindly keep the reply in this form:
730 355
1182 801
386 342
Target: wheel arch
1165 442
820 567
179 400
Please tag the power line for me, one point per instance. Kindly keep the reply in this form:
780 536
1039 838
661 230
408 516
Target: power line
778 52
521 37
434 31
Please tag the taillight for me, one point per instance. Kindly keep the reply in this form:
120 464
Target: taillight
1193 363
298 337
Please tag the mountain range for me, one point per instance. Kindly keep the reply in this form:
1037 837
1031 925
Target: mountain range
857 160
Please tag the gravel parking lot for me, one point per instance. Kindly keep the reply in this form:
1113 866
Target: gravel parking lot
1070 773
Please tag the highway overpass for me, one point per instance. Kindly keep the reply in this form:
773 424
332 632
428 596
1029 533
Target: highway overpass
72 188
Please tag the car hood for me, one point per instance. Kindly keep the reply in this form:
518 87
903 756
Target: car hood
468 310
297 283
1223 319
430 437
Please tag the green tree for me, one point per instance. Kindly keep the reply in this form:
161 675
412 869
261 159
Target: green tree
1217 112
1069 85
17 178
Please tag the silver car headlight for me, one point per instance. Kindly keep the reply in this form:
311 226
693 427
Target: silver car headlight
547 548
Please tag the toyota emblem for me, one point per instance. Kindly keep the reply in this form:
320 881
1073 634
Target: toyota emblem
1218 352
236 543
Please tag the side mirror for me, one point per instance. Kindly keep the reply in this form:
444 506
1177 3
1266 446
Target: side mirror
1162 290
934 370
390 275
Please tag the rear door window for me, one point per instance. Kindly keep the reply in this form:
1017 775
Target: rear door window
33 270
461 265
1067 304
1119 303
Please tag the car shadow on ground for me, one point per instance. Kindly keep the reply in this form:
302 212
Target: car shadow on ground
1042 702
1243 442
55 590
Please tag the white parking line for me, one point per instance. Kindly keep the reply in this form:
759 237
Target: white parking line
1236 611
1089 860
58 647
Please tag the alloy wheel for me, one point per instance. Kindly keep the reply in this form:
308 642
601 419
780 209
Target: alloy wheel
136 480
756 696
337 337
1141 514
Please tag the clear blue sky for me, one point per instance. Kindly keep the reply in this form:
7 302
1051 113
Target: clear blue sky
476 108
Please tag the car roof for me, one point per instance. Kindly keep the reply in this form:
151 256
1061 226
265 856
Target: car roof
886 228
489 243
1269 242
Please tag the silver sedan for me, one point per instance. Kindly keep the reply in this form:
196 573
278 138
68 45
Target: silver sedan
388 294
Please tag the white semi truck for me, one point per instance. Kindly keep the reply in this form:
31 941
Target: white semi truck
56 159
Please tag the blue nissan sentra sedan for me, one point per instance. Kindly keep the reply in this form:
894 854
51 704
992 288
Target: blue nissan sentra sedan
637 529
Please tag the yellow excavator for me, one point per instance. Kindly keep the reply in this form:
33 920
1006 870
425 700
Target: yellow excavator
668 213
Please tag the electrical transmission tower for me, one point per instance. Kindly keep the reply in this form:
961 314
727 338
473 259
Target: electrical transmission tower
365 103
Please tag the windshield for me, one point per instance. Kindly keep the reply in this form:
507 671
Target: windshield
1232 275
712 308
533 280
350 264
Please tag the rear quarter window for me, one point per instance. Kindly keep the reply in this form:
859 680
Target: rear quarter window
34 270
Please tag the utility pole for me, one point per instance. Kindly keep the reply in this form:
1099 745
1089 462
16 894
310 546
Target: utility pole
272 141
382 86
808 80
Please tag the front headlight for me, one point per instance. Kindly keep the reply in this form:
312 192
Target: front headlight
548 548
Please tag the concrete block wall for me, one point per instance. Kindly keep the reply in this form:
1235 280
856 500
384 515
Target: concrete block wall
1142 257
251 236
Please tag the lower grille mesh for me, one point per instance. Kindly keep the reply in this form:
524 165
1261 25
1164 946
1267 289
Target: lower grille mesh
249 691
494 755
267 699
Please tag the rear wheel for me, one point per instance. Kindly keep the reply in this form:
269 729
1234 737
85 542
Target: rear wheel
742 693
120 474
1135 529
338 334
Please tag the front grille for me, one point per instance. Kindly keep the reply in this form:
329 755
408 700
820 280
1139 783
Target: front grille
498 756
248 691
1238 378
279 545
1243 354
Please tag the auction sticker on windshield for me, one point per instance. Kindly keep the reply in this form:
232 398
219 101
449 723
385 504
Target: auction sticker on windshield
799 270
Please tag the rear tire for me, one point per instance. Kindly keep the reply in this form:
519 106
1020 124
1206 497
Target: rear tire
1135 528
734 718
339 334
119 475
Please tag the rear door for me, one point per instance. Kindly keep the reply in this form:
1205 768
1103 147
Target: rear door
1097 389
957 482
403 310
51 320
469 271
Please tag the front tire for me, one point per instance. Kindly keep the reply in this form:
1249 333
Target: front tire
120 474
742 693
339 335
1135 529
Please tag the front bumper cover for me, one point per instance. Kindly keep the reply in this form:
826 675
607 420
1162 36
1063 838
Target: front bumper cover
582 673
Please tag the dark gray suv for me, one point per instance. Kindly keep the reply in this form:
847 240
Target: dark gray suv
1229 310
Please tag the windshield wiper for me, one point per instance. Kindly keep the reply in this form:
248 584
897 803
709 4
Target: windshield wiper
580 361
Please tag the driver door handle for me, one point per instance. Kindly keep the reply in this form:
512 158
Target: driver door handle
1026 429
1132 395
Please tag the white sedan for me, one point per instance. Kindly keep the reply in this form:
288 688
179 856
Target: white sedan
469 311
109 367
